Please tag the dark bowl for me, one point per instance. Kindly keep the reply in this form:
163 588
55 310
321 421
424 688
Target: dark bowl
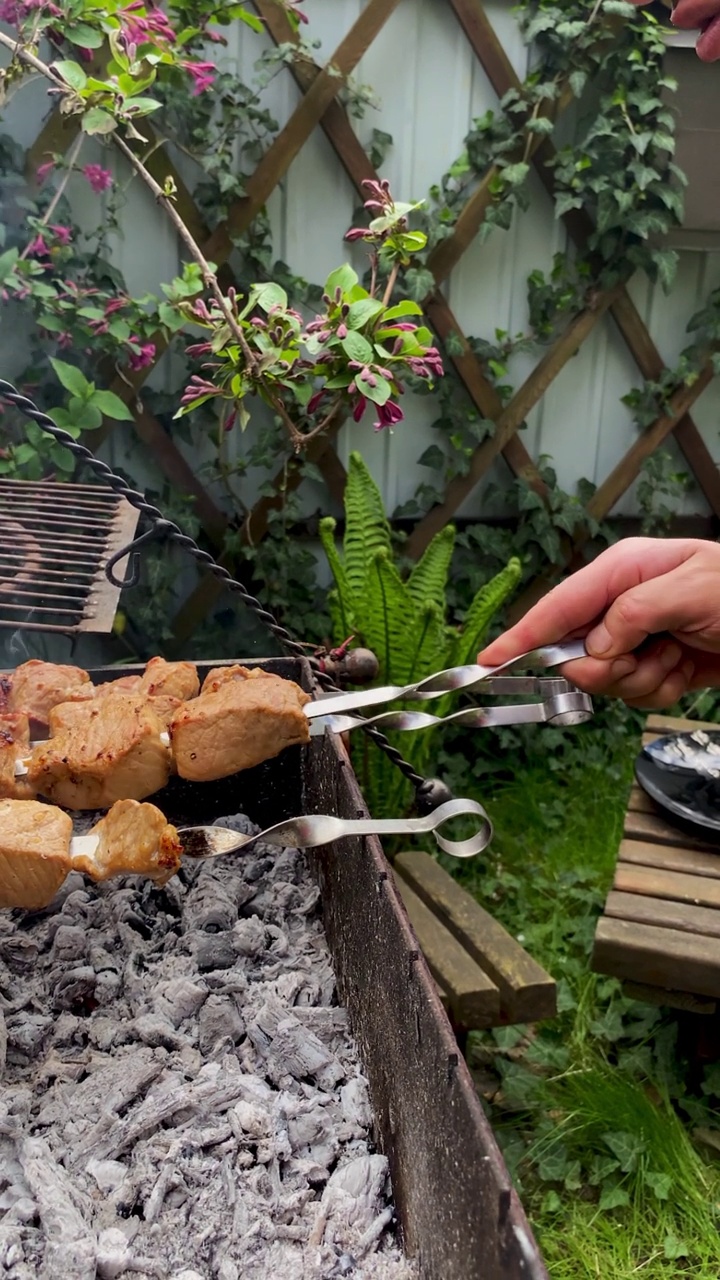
681 772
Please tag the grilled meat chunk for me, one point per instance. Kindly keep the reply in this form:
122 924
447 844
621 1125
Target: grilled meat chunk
219 676
14 746
170 679
133 839
34 853
238 724
66 714
101 752
36 687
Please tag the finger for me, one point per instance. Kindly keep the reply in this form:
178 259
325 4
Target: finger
674 686
670 602
579 600
630 676
650 674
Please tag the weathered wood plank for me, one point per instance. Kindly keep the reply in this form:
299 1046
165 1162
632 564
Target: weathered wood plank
700 860
654 829
659 725
473 998
527 992
659 957
663 912
669 999
677 886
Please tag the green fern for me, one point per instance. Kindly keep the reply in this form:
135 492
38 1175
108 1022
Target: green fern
402 621
339 600
428 579
366 529
485 605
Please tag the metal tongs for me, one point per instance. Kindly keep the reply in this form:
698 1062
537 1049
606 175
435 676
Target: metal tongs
560 702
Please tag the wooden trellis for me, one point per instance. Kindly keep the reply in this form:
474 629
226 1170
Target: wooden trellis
319 106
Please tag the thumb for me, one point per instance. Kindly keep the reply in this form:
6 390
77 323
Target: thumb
662 604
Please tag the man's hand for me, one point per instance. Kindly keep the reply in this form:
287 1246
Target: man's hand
663 595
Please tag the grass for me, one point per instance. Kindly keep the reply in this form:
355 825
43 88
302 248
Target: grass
597 1112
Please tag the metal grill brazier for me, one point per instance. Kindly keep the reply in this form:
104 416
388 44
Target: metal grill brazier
460 1217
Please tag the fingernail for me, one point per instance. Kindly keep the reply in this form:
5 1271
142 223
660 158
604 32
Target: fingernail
599 641
622 667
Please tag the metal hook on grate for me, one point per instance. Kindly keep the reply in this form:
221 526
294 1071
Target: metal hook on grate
130 553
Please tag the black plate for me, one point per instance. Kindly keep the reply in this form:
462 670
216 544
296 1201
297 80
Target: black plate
681 772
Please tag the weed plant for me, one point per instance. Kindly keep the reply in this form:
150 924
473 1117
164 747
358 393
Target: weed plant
610 1133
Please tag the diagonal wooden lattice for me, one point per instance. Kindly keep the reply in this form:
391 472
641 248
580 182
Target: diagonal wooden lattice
319 107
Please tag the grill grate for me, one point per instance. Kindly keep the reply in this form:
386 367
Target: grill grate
54 541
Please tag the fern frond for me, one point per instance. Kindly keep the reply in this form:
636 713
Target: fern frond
428 579
367 531
388 617
487 601
426 646
340 600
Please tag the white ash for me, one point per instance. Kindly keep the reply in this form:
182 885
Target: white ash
181 1097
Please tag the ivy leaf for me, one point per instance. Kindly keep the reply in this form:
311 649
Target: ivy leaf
613 1198
72 73
71 378
665 261
660 1183
577 81
98 121
515 174
628 1147
674 1248
112 406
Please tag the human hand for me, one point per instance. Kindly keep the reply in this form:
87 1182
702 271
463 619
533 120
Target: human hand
663 595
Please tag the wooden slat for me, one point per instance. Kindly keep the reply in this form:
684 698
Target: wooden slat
660 957
473 998
694 861
655 829
527 992
677 886
684 1000
665 913
660 725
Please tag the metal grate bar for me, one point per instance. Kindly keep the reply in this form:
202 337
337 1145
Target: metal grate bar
54 541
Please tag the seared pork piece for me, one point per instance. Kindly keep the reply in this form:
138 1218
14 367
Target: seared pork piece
170 679
91 692
101 752
34 853
220 675
68 714
36 687
241 724
134 839
14 746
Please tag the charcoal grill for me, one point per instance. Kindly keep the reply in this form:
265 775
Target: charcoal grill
54 542
458 1213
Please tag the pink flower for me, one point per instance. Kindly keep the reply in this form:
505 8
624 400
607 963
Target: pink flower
359 408
63 234
388 414
202 75
64 339
37 248
196 387
115 304
43 170
145 356
315 401
86 54
151 27
100 179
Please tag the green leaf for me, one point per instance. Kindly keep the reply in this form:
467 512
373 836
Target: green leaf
482 610
86 417
71 378
515 174
380 393
98 121
367 530
428 579
613 1198
72 73
84 36
343 279
361 312
111 406
62 457
7 263
388 621
404 308
356 347
432 457
660 1183
674 1248
140 106
266 296
628 1147
342 605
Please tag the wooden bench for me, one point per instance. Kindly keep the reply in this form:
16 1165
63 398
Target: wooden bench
660 928
484 976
